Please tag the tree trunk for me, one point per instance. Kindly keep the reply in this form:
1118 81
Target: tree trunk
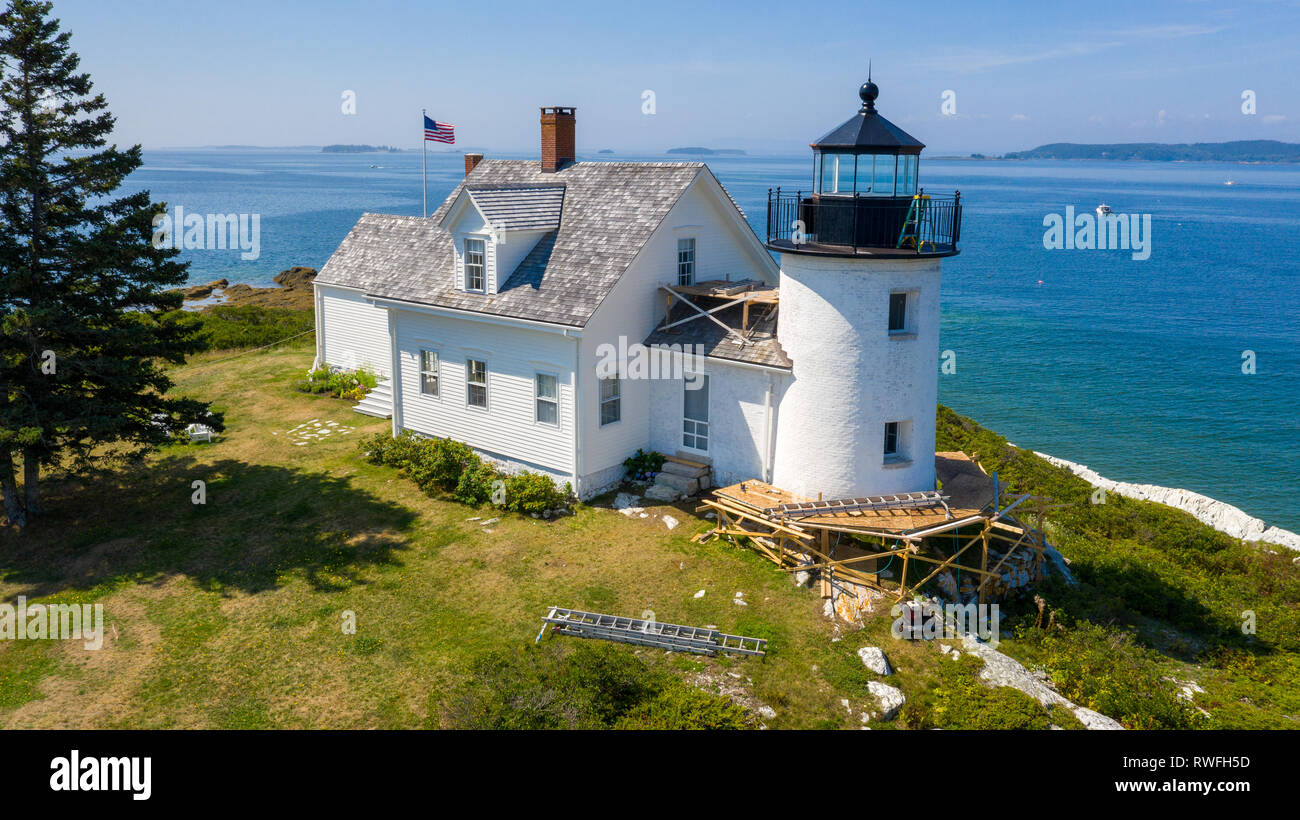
32 483
9 489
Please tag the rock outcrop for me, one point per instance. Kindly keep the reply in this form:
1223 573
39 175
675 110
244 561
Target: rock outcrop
1222 516
1003 670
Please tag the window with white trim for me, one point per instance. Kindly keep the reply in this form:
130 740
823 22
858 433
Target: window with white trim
611 400
476 383
686 261
475 254
546 390
429 372
695 412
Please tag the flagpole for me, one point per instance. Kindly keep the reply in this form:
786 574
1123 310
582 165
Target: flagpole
424 162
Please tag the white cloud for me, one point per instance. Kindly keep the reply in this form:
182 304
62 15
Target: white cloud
1020 118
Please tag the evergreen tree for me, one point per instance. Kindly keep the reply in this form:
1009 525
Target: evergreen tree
83 336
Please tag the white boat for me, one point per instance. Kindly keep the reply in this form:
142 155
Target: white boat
1103 209
1230 182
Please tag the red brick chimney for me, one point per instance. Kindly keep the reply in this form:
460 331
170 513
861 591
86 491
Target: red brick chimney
471 162
557 137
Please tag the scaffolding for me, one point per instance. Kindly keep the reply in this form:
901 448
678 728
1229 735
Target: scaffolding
900 545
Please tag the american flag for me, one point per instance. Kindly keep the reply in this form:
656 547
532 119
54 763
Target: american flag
439 131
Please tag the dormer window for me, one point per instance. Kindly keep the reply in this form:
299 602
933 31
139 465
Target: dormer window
475 254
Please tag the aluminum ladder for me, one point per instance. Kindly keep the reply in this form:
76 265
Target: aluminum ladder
673 637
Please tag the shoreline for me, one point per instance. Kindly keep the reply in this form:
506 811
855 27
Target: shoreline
1220 515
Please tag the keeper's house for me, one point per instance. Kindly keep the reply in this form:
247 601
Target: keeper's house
518 316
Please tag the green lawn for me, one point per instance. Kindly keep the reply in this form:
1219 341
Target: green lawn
230 614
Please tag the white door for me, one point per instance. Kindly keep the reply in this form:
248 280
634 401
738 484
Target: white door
695 414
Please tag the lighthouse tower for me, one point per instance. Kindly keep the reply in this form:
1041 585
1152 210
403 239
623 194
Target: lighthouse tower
860 257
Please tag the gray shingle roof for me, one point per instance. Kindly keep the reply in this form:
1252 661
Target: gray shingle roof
762 348
609 211
519 207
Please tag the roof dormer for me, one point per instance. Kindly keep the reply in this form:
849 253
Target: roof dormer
494 227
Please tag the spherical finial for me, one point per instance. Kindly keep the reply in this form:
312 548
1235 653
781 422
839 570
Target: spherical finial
868 92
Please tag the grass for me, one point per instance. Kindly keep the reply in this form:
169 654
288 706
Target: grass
230 614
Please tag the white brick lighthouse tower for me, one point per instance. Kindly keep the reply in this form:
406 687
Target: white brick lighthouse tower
860 258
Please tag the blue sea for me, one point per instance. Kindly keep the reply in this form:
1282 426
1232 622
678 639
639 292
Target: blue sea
1133 367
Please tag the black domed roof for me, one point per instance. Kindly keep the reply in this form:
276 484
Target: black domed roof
866 132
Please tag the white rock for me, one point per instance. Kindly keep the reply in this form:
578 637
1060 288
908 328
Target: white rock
739 602
1003 670
660 492
1221 516
766 712
802 577
626 503
874 659
671 522
699 594
489 521
889 697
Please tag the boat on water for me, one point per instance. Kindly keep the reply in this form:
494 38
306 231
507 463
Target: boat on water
1103 209
1231 182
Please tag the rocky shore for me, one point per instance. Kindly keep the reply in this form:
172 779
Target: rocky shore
294 292
1222 516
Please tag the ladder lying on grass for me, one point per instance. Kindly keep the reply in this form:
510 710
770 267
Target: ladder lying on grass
673 637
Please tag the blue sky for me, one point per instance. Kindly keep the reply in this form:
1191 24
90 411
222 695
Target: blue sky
765 77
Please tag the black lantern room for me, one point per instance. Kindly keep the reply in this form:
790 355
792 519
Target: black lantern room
867 155
865 199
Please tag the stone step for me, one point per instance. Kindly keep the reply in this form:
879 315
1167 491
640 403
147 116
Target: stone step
684 470
682 484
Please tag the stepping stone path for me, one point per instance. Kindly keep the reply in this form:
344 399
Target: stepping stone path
315 430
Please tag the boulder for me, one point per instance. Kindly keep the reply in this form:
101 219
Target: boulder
873 658
298 276
889 698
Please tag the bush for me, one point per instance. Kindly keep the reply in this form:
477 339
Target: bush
960 700
450 466
535 493
642 466
439 463
1101 668
582 686
347 384
476 482
230 327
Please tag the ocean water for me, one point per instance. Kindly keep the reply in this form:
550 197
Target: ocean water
1133 367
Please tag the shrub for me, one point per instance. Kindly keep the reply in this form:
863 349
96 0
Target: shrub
347 384
439 463
534 493
231 327
1101 668
960 700
450 466
583 686
642 466
476 482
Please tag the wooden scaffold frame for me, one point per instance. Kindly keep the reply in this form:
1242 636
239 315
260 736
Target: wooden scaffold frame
799 534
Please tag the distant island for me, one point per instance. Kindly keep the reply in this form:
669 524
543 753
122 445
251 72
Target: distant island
605 151
360 149
707 152
1238 151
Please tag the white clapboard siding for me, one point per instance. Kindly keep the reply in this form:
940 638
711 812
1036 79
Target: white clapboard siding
355 331
507 428
636 306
